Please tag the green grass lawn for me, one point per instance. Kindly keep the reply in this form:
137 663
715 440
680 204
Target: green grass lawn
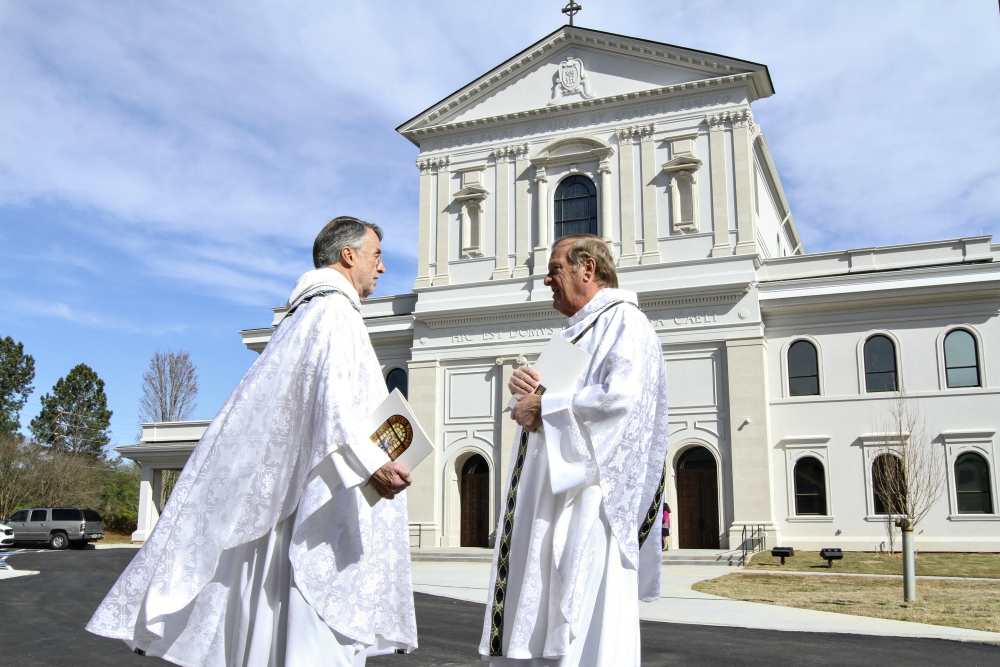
928 564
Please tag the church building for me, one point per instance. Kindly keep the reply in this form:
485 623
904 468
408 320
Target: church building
782 365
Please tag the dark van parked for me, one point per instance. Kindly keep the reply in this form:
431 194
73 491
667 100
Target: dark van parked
59 527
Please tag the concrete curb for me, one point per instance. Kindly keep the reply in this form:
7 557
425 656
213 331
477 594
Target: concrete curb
793 573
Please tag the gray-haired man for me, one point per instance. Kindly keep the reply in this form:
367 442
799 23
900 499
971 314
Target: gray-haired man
266 553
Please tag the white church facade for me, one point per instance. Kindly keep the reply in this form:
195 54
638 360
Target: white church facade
781 364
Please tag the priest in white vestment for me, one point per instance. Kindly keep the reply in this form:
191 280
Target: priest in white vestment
267 554
572 560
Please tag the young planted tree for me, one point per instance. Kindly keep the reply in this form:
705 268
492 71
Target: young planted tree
75 417
169 388
17 370
907 476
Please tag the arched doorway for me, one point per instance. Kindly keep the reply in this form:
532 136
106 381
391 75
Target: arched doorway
475 487
698 500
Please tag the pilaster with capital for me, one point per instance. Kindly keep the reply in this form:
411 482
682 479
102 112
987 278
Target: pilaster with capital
717 172
441 276
522 216
742 121
424 229
626 187
501 269
604 169
540 261
647 149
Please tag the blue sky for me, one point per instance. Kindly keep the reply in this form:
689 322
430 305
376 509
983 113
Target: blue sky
164 167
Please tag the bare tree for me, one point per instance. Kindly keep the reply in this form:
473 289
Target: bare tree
907 476
169 388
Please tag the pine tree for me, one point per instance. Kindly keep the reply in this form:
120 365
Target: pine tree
75 418
17 370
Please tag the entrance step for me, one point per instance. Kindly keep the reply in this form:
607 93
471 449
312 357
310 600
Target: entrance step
701 557
452 554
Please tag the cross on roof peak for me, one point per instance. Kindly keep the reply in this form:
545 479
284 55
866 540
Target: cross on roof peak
571 10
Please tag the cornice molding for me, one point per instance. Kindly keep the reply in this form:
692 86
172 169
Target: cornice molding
731 70
584 148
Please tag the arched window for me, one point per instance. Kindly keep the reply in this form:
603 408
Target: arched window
810 487
576 207
803 369
880 364
396 379
961 359
972 484
888 484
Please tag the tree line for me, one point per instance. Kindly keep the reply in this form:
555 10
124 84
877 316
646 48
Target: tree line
66 459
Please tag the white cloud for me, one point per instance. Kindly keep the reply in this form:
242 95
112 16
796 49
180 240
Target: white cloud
218 136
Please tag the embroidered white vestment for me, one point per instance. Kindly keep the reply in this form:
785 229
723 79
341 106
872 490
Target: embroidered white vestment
613 430
291 443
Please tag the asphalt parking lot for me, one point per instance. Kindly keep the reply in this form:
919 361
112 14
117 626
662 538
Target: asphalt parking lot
42 619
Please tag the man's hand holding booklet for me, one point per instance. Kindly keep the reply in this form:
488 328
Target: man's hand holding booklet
396 431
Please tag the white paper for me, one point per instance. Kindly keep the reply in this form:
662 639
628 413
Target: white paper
419 448
560 366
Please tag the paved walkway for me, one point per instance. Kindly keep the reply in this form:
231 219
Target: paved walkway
680 604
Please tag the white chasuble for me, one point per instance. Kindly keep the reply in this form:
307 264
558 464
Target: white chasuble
569 569
266 554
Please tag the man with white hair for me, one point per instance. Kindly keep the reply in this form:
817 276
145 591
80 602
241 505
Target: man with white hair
267 554
572 559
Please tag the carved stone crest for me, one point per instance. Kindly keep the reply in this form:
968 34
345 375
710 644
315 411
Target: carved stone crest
570 79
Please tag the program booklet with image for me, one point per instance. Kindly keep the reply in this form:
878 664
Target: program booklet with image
396 431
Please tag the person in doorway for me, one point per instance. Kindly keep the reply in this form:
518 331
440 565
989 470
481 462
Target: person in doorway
267 554
569 568
666 526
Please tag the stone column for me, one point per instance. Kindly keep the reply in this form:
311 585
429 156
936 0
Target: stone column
150 491
540 261
443 222
424 497
720 207
626 188
743 169
501 268
647 148
424 230
522 216
604 169
750 436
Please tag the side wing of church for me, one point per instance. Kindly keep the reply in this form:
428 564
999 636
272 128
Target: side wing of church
781 364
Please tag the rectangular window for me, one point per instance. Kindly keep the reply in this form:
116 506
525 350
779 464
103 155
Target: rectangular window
67 515
39 515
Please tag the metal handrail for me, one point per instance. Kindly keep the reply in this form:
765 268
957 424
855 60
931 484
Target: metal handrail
419 534
753 539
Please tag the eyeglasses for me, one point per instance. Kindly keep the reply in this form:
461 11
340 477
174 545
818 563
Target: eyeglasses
377 256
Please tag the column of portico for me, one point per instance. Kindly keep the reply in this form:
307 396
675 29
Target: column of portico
522 216
647 148
502 266
424 231
604 169
150 493
423 496
720 206
743 172
540 261
441 276
749 431
626 189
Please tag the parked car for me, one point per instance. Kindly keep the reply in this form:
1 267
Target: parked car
59 527
6 535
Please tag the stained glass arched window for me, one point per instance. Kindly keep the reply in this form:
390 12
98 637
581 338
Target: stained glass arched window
880 364
803 369
576 207
972 484
396 379
810 487
961 359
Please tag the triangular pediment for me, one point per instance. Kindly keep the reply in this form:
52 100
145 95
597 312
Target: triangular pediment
574 67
